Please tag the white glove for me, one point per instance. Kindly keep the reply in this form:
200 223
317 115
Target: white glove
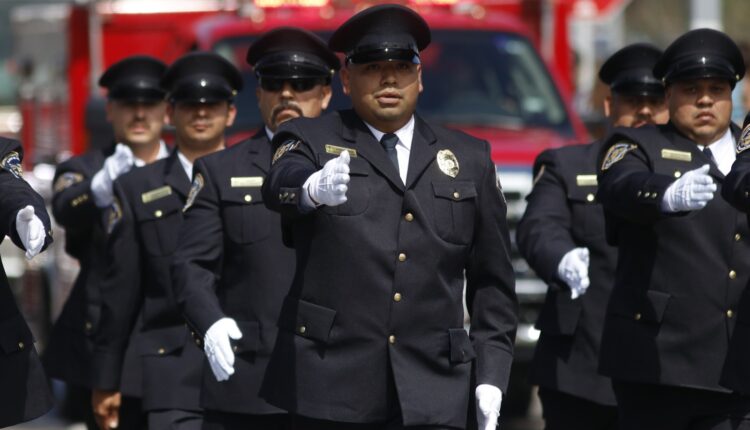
574 270
328 186
31 231
489 398
115 165
219 350
692 191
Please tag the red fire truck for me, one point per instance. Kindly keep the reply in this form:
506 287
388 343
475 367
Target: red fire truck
483 73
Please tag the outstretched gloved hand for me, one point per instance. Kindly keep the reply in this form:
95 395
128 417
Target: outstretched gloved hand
574 270
30 230
691 192
121 161
218 349
328 185
489 399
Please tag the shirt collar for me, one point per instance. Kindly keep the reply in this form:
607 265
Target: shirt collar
187 166
405 134
723 151
163 153
269 133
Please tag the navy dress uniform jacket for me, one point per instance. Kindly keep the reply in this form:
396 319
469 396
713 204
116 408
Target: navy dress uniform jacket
377 294
679 276
230 262
563 214
144 231
68 356
24 391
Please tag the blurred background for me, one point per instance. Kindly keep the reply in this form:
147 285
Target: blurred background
521 74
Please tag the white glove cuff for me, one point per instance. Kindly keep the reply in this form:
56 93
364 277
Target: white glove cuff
101 189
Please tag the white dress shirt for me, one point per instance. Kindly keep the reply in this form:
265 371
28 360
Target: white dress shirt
403 148
724 151
186 164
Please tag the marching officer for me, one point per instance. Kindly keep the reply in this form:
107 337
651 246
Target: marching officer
683 255
387 213
82 191
24 391
561 235
231 270
144 225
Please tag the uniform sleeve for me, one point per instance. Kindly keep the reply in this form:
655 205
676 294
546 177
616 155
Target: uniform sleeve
490 285
736 186
16 194
544 232
629 188
294 162
197 260
120 294
72 203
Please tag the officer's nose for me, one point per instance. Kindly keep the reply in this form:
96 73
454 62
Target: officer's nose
286 91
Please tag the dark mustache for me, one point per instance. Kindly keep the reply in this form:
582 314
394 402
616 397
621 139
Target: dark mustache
284 106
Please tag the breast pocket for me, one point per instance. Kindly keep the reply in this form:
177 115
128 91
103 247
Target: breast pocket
246 219
159 224
455 208
588 215
358 193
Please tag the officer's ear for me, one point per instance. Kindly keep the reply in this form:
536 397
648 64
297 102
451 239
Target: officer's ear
170 112
607 102
419 77
345 79
108 109
231 114
326 98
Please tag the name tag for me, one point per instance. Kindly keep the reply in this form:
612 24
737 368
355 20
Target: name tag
337 150
671 154
586 180
246 181
156 194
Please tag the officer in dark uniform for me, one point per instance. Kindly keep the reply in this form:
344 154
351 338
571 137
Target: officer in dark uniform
684 258
231 271
561 235
82 190
24 390
144 225
372 331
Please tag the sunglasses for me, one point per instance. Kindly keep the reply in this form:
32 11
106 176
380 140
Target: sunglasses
298 85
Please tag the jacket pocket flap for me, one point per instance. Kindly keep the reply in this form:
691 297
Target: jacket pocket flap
250 341
162 341
456 190
242 195
307 319
158 208
357 166
15 335
460 345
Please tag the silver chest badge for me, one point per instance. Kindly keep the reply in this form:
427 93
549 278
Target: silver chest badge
447 162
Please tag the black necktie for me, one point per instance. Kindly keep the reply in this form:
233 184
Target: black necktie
710 155
389 142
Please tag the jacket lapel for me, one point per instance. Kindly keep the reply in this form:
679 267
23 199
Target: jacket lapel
422 153
356 132
260 150
175 175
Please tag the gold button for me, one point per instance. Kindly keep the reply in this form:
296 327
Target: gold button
292 196
302 329
21 345
732 274
638 316
234 348
409 217
162 351
730 314
402 257
677 174
456 194
248 198
285 195
397 297
638 194
737 237
391 339
281 196
654 194
158 214
646 194
590 198
88 326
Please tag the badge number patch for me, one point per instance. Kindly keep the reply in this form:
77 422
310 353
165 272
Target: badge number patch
744 141
195 188
616 153
12 163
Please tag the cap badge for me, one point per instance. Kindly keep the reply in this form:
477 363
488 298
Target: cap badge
447 162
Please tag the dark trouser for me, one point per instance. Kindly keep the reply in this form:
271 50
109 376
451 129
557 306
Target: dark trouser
661 407
304 423
175 419
217 420
564 411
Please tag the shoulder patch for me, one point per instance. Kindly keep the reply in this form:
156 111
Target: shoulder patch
616 153
284 148
12 163
67 180
114 215
744 141
195 188
539 174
